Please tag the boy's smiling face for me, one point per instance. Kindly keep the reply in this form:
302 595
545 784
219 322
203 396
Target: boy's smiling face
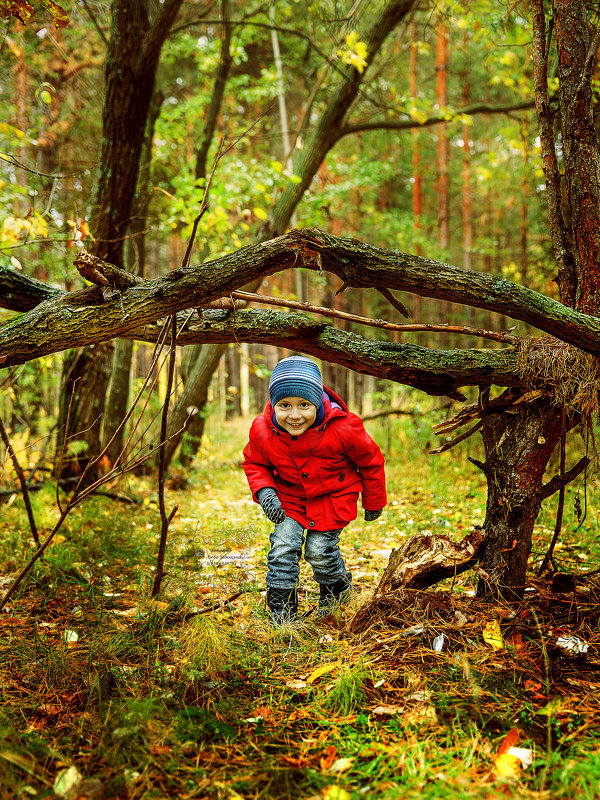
295 414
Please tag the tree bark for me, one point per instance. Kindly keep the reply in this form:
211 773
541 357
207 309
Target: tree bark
436 372
86 373
19 292
518 447
203 361
561 240
197 386
578 58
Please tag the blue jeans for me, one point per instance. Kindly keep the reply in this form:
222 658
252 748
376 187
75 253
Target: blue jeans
321 551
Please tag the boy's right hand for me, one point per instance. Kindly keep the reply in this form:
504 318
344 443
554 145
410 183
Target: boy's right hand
271 505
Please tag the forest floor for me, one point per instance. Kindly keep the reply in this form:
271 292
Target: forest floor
106 693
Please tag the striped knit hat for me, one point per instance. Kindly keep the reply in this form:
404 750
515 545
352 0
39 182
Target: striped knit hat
296 376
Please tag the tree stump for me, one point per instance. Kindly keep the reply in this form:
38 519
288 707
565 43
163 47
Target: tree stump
424 560
427 558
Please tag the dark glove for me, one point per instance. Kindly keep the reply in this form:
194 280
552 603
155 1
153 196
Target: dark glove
371 516
271 504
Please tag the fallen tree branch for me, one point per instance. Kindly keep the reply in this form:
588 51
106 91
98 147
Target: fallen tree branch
95 314
101 273
436 372
394 302
390 412
555 483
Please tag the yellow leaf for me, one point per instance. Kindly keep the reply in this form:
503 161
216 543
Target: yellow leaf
507 766
9 130
335 792
492 634
324 669
260 213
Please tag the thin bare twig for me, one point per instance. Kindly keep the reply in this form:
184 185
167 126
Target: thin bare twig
80 492
165 520
22 481
460 438
549 557
408 327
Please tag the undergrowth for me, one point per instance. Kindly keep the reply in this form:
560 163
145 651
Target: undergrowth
106 692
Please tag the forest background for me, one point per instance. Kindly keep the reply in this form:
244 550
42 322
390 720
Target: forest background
440 157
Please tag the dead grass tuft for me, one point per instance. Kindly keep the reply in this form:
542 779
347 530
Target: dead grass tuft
571 375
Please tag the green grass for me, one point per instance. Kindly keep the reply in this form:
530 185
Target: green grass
195 695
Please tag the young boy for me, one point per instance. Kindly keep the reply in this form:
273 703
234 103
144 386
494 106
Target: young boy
307 460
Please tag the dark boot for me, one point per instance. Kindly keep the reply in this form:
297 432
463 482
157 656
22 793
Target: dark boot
333 595
282 604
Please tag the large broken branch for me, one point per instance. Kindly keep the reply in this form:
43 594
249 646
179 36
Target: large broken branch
98 314
363 266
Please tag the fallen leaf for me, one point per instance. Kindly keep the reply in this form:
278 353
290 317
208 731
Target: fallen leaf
510 740
328 757
418 697
387 710
160 749
66 781
531 685
296 684
334 792
524 754
507 766
340 765
421 713
264 711
324 669
300 763
492 634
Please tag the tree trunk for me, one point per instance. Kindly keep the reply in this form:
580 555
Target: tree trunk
417 172
517 450
131 62
442 183
196 386
117 400
518 446
86 373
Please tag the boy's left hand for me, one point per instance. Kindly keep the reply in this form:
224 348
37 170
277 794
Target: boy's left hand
371 516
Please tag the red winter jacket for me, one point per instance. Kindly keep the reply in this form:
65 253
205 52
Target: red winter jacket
319 474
